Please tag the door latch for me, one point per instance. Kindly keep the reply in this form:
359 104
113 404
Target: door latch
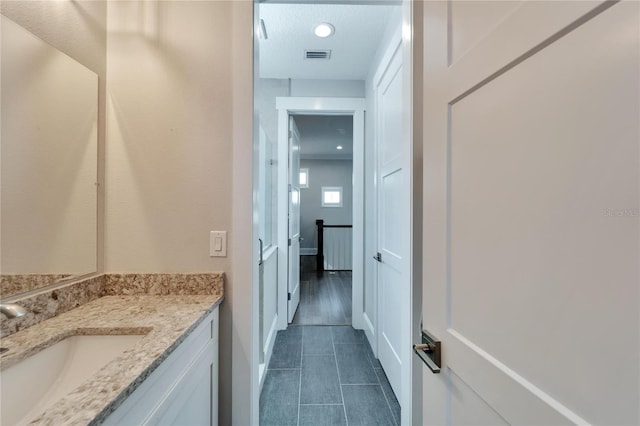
429 352
378 257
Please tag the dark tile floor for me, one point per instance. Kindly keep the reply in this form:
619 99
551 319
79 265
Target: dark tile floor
325 299
326 375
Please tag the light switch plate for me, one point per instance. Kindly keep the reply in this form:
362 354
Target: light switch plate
218 244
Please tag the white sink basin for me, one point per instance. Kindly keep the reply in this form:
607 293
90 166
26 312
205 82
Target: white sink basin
34 384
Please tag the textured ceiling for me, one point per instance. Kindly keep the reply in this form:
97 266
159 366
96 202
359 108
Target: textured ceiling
358 30
320 134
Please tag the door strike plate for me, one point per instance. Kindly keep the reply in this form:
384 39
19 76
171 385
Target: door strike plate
429 352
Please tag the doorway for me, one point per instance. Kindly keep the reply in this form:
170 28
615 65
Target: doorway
326 219
308 110
318 85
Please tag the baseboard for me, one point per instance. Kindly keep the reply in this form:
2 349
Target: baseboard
268 350
370 332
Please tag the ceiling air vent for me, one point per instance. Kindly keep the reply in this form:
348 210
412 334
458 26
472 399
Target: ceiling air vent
317 54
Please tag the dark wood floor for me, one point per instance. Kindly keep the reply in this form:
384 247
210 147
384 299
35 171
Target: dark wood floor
324 299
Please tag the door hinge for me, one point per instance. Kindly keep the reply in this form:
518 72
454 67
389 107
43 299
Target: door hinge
289 186
288 296
290 134
289 242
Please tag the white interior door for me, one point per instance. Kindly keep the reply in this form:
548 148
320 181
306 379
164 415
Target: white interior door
393 220
531 211
294 220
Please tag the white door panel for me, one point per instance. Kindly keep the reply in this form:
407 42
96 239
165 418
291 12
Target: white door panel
294 220
476 19
391 208
531 231
467 408
393 221
391 114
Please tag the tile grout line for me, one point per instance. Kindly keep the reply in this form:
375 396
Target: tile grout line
375 371
335 357
387 399
361 384
331 405
300 381
365 341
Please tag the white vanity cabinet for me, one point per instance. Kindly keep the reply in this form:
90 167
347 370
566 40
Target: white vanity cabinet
183 390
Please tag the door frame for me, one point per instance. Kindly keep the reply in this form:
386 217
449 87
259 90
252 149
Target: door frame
293 292
411 39
245 377
355 107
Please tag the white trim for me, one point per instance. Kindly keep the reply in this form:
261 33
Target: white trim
320 106
370 329
240 385
268 350
457 340
385 62
323 106
267 252
333 157
411 398
402 42
413 17
283 225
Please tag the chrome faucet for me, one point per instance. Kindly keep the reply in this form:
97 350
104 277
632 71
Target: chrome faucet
11 310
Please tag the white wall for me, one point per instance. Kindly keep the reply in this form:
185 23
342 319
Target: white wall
168 161
178 104
244 299
325 173
328 88
169 148
266 91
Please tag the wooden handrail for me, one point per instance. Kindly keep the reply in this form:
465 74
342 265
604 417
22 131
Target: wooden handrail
320 254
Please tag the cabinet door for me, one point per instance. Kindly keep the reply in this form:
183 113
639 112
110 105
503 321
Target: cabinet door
183 390
190 400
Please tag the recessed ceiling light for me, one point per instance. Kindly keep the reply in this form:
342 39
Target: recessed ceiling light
324 30
339 147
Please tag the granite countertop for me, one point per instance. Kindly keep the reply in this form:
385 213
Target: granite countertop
166 321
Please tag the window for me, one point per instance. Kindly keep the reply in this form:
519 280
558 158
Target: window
304 178
331 196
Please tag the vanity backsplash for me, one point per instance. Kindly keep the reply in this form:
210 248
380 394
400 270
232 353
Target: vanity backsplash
11 284
54 302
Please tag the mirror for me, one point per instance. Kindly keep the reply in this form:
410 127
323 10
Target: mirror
48 164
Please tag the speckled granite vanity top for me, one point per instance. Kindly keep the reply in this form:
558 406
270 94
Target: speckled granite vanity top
165 320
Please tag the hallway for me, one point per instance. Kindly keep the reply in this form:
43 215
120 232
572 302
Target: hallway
326 375
324 299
